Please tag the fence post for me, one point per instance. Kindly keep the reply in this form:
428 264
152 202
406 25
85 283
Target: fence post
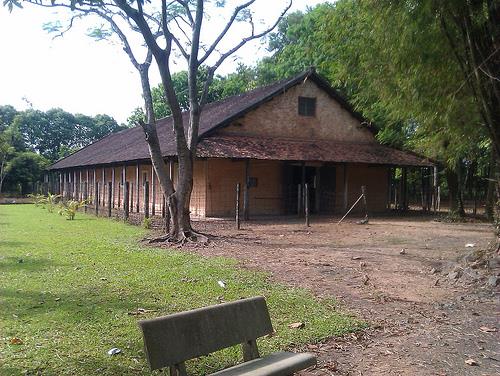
110 189
299 200
146 199
306 202
365 205
96 197
238 206
126 199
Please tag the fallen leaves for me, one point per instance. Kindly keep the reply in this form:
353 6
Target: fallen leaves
16 341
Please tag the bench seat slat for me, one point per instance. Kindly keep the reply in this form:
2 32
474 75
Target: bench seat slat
277 364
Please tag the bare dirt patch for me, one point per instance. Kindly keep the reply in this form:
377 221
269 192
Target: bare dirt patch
395 274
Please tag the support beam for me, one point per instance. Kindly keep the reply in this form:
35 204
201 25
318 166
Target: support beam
126 199
137 187
110 196
75 187
146 199
113 177
346 187
246 194
103 185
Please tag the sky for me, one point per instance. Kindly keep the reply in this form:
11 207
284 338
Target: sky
80 75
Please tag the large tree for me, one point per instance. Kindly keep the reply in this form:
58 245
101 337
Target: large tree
169 30
401 65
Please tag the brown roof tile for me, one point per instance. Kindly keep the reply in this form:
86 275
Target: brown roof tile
129 145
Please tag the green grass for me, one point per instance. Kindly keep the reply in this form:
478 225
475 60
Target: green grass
67 287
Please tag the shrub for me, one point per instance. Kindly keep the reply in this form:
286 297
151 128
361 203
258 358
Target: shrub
70 208
51 201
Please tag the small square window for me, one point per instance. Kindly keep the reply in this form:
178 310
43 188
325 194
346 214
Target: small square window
307 106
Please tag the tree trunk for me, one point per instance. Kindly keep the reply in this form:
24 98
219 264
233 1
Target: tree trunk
490 194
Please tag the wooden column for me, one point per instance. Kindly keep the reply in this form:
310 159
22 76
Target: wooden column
126 199
317 190
404 188
306 203
103 184
81 187
94 181
75 187
131 194
64 186
389 187
113 177
137 187
246 194
110 196
96 197
237 209
124 182
146 199
346 187
153 191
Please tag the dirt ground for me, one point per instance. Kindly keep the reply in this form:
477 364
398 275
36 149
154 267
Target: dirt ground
423 321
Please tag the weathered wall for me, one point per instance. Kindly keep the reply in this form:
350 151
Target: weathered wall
222 177
280 118
375 178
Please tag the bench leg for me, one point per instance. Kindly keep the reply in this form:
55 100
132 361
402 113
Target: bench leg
250 350
178 370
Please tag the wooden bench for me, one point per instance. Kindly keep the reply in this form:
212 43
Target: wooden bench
171 340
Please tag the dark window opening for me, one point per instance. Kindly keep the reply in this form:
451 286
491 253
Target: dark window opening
307 106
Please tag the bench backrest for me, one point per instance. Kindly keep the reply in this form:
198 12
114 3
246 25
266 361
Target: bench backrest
175 338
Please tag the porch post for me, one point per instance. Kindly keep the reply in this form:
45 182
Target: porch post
317 190
246 196
404 193
80 195
137 187
113 177
124 179
103 186
302 189
389 188
75 187
346 187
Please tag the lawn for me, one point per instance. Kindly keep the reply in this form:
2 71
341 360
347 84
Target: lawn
68 291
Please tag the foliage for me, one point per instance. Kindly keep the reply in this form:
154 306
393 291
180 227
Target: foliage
69 208
38 199
146 223
77 295
26 169
56 133
398 67
244 79
51 201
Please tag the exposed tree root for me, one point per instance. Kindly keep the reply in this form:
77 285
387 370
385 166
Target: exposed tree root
182 239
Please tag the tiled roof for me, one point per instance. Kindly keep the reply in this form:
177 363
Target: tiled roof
301 150
129 145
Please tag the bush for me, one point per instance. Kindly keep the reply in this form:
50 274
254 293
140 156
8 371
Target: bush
69 208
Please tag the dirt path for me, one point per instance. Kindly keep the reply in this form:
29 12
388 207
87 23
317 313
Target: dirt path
421 321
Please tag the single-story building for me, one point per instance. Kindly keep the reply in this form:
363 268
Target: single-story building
272 140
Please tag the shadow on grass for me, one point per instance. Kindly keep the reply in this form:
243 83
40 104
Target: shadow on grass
17 263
